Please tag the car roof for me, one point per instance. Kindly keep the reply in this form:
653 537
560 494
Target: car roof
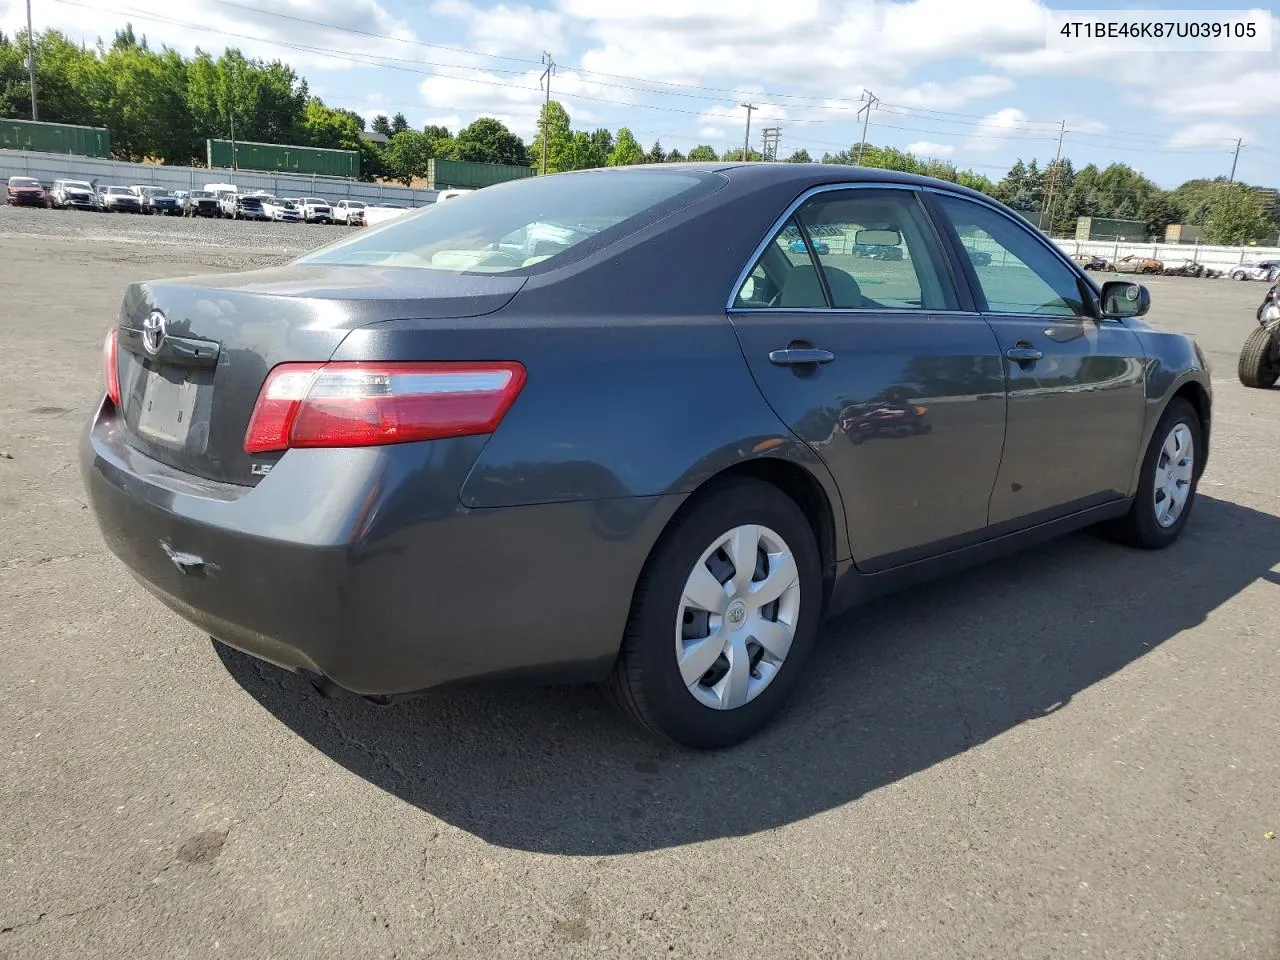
800 173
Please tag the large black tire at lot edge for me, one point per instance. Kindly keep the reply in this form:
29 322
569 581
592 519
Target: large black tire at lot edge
1139 527
1259 360
646 682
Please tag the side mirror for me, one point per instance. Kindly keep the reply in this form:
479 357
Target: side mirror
1122 298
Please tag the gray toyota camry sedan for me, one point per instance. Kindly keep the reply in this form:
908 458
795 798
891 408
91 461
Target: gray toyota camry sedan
645 426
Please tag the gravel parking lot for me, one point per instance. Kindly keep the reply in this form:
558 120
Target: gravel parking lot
1072 753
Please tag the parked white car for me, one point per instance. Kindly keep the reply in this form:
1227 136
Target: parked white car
1268 270
274 208
316 210
377 213
74 193
350 212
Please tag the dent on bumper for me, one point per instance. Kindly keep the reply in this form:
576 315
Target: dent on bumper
363 565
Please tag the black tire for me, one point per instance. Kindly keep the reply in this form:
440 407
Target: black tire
1259 365
646 682
1139 527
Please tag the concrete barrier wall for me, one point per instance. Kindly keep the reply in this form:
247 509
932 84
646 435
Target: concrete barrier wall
48 167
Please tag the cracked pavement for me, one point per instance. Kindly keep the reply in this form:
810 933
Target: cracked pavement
1068 753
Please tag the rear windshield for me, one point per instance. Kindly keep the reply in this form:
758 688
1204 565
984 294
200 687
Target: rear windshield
517 225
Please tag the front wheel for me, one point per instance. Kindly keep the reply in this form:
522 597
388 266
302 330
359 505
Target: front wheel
1259 360
1167 487
724 616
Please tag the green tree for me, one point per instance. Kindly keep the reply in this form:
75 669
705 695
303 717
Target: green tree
626 150
675 156
703 154
656 154
1235 216
406 155
382 124
800 156
752 154
554 126
398 124
487 140
1158 211
601 147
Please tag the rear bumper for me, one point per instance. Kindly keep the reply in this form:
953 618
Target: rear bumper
364 567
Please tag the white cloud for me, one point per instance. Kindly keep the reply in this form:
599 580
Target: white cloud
816 45
1213 135
923 148
516 100
947 96
502 29
996 128
221 26
712 133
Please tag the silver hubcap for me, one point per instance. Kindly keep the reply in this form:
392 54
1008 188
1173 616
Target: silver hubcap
737 617
1174 468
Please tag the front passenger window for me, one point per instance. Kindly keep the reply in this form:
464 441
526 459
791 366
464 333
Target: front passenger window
1016 271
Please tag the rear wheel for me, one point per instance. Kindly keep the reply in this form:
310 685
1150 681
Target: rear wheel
723 619
1259 360
1167 487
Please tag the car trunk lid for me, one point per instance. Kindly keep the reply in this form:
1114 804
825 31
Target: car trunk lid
193 353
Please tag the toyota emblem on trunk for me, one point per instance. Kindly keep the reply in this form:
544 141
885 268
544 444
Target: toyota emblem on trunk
153 332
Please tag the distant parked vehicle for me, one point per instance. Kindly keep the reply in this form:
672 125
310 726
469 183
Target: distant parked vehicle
315 210
248 207
120 200
350 212
1268 270
1091 261
276 209
1136 264
1183 268
26 192
156 200
979 258
876 251
200 203
227 203
377 213
819 247
77 194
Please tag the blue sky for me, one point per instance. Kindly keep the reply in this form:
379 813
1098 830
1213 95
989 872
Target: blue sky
970 82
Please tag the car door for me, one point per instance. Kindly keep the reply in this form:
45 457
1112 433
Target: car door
1076 383
872 361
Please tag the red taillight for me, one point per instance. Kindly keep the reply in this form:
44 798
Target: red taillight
358 404
110 370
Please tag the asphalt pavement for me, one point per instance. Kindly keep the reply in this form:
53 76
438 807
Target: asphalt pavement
1070 753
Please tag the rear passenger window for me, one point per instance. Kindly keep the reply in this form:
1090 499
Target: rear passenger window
876 250
783 277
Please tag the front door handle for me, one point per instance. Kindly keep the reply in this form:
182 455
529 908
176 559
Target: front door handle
798 356
1024 353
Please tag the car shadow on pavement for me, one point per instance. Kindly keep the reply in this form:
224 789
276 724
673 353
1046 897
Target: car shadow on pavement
894 688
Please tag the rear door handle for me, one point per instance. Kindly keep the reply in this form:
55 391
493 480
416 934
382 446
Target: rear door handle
1023 353
796 356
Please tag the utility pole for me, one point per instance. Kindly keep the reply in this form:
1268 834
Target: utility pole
545 82
746 140
1234 159
1057 175
31 63
770 138
869 101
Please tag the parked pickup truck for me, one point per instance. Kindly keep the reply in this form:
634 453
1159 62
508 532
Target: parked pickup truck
315 210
